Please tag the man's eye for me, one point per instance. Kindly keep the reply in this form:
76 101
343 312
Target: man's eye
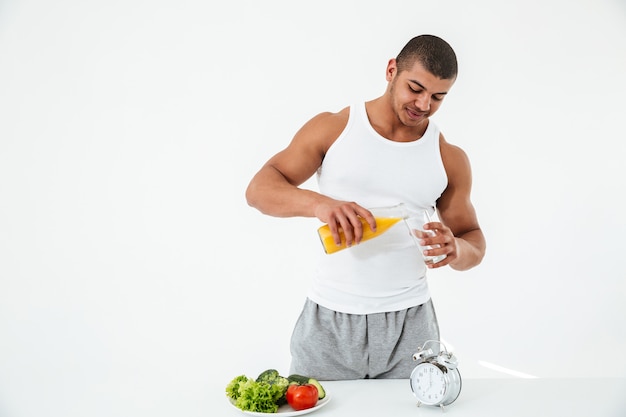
437 98
414 90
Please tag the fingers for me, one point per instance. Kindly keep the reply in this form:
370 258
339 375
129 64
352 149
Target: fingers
345 221
441 242
352 227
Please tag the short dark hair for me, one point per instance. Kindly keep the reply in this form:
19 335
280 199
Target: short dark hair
435 54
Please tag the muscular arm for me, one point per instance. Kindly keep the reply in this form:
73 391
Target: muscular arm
275 189
457 212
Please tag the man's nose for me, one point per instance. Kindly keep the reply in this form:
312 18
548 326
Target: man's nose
422 102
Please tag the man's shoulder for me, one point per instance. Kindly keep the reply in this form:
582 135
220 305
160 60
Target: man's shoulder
340 116
449 149
454 157
328 124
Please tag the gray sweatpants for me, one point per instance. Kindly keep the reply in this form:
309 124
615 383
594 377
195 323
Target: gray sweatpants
328 345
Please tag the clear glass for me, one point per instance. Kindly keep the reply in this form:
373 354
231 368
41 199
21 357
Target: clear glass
415 222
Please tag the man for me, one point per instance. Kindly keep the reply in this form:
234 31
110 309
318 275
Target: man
369 307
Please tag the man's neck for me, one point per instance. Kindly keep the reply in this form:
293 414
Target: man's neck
386 122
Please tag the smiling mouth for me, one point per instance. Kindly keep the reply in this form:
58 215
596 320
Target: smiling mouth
415 114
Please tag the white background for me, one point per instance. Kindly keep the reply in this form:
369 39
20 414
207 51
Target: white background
135 280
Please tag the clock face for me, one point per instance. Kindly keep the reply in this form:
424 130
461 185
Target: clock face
428 383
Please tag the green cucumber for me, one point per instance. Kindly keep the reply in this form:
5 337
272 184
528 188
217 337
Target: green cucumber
298 379
320 389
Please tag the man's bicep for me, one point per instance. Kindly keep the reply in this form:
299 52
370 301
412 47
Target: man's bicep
295 164
457 212
455 206
305 153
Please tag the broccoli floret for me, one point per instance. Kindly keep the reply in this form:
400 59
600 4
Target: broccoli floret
268 376
232 389
279 384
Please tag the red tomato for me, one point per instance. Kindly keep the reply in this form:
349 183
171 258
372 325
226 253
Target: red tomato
301 397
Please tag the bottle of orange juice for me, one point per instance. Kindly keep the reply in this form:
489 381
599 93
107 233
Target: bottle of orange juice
385 218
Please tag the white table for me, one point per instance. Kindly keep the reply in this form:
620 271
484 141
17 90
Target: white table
578 397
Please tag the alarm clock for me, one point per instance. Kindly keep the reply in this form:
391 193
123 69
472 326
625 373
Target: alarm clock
436 379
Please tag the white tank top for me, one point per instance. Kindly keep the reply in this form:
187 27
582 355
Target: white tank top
386 273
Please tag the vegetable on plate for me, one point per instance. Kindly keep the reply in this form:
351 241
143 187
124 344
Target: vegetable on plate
301 380
270 390
301 397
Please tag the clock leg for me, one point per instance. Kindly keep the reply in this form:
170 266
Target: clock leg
443 408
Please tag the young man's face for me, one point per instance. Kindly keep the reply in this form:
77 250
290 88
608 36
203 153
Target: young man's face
416 94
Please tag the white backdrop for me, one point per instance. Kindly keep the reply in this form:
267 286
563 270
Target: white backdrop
135 280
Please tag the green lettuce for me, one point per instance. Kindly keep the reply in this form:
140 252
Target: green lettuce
250 395
232 389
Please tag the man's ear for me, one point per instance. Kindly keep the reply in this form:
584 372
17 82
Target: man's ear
392 69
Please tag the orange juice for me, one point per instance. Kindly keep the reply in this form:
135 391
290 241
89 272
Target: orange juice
382 225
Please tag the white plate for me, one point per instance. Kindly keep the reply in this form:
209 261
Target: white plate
286 410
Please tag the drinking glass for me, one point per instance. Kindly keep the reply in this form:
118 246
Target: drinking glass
415 221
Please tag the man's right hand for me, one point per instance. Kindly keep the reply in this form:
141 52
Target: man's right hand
347 216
